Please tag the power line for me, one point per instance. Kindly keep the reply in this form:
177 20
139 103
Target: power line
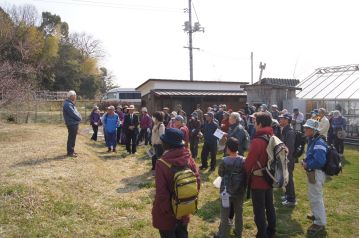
195 12
113 5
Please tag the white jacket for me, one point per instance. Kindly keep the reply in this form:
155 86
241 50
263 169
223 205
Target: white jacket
324 126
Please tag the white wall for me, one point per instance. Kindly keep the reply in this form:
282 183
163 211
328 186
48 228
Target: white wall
188 85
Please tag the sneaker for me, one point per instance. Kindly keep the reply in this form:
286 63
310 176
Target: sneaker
230 222
289 204
114 150
72 155
109 150
314 229
283 198
203 167
311 217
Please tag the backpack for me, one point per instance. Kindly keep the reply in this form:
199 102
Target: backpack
235 180
247 139
299 144
276 170
184 199
333 164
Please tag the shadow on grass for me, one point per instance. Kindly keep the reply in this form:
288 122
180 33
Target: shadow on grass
286 225
34 162
136 183
209 211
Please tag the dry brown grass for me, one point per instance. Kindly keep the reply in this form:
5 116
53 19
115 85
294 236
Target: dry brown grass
43 193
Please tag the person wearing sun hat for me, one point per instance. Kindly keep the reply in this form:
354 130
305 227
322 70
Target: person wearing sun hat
287 135
313 165
178 156
131 123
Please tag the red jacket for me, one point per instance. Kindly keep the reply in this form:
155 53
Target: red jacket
257 152
162 214
185 131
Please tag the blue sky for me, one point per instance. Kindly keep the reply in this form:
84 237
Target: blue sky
144 38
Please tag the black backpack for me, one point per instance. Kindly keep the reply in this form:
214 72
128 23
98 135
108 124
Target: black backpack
235 180
333 164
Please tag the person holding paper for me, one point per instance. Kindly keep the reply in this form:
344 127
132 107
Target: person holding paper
210 142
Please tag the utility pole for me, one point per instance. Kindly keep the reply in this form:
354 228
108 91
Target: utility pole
190 40
251 67
262 66
190 29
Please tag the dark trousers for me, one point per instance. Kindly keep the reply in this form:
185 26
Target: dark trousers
118 135
289 189
158 153
143 133
95 130
180 231
262 200
237 206
209 148
111 139
71 138
131 141
194 141
339 144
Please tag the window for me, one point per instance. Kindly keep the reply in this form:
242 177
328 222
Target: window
132 95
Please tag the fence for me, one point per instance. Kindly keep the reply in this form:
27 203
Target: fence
44 111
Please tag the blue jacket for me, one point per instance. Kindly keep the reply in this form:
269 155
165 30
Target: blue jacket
71 115
209 129
316 153
111 123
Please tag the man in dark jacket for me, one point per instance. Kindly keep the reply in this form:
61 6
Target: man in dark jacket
194 127
162 214
210 142
131 123
72 120
262 192
288 137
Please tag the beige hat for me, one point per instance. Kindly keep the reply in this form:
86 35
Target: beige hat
131 107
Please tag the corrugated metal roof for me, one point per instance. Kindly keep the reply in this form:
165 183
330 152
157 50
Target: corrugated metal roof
331 83
198 93
278 82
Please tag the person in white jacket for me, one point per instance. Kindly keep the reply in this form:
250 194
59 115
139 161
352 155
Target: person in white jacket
323 123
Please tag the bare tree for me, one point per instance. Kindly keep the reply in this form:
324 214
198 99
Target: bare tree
88 46
26 14
16 84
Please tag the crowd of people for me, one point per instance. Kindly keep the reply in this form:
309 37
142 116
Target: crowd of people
175 138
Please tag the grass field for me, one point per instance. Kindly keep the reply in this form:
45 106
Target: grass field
100 194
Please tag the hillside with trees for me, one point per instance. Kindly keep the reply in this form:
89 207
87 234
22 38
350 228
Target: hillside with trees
39 53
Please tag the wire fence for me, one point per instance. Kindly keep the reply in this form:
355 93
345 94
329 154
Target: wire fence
43 111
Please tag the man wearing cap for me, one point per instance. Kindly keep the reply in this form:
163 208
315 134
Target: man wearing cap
287 135
72 120
179 124
111 123
264 108
194 129
145 125
178 156
131 129
200 114
95 120
297 120
315 114
313 165
210 142
166 118
275 111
